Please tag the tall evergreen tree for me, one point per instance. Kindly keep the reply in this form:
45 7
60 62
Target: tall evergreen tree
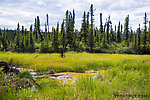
97 37
104 37
73 20
63 36
139 38
101 23
119 34
40 37
112 34
4 40
73 31
22 45
91 37
69 33
31 44
44 43
46 36
84 29
126 30
17 38
22 30
135 42
87 28
101 28
35 30
47 22
145 32
131 36
27 41
55 43
122 38
108 28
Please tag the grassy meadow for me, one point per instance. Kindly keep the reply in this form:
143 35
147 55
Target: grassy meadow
125 76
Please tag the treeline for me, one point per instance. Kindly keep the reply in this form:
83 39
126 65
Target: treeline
65 37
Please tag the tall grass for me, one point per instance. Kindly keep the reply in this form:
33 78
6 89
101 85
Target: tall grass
125 75
77 62
115 85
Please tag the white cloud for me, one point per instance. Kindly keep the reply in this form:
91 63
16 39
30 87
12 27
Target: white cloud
24 12
41 3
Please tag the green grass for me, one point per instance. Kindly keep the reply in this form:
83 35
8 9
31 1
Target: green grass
77 62
125 74
88 88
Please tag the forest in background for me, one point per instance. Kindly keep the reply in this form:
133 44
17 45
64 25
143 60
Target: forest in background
65 37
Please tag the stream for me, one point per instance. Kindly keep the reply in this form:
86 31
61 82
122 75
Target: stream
65 76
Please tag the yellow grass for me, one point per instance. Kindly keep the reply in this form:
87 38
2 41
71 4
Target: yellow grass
72 61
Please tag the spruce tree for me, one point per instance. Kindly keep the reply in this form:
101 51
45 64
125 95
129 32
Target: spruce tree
119 34
73 32
131 36
39 33
97 37
44 43
73 20
31 44
145 33
101 24
112 34
115 34
17 38
108 28
46 36
27 41
126 30
91 37
139 38
69 35
47 23
135 42
35 30
87 28
63 39
122 38
4 40
101 28
22 45
55 42
84 29
104 37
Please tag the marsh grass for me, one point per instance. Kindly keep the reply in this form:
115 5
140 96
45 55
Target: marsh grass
121 84
76 62
124 75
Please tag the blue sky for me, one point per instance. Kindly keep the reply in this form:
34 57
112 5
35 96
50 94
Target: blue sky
25 11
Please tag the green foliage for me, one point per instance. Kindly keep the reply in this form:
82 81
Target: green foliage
126 30
25 74
84 33
44 47
4 40
123 75
17 38
118 34
89 38
55 43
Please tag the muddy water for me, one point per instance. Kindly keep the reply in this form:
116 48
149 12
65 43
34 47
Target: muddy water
65 77
71 77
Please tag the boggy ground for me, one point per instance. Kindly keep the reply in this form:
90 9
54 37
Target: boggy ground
125 76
